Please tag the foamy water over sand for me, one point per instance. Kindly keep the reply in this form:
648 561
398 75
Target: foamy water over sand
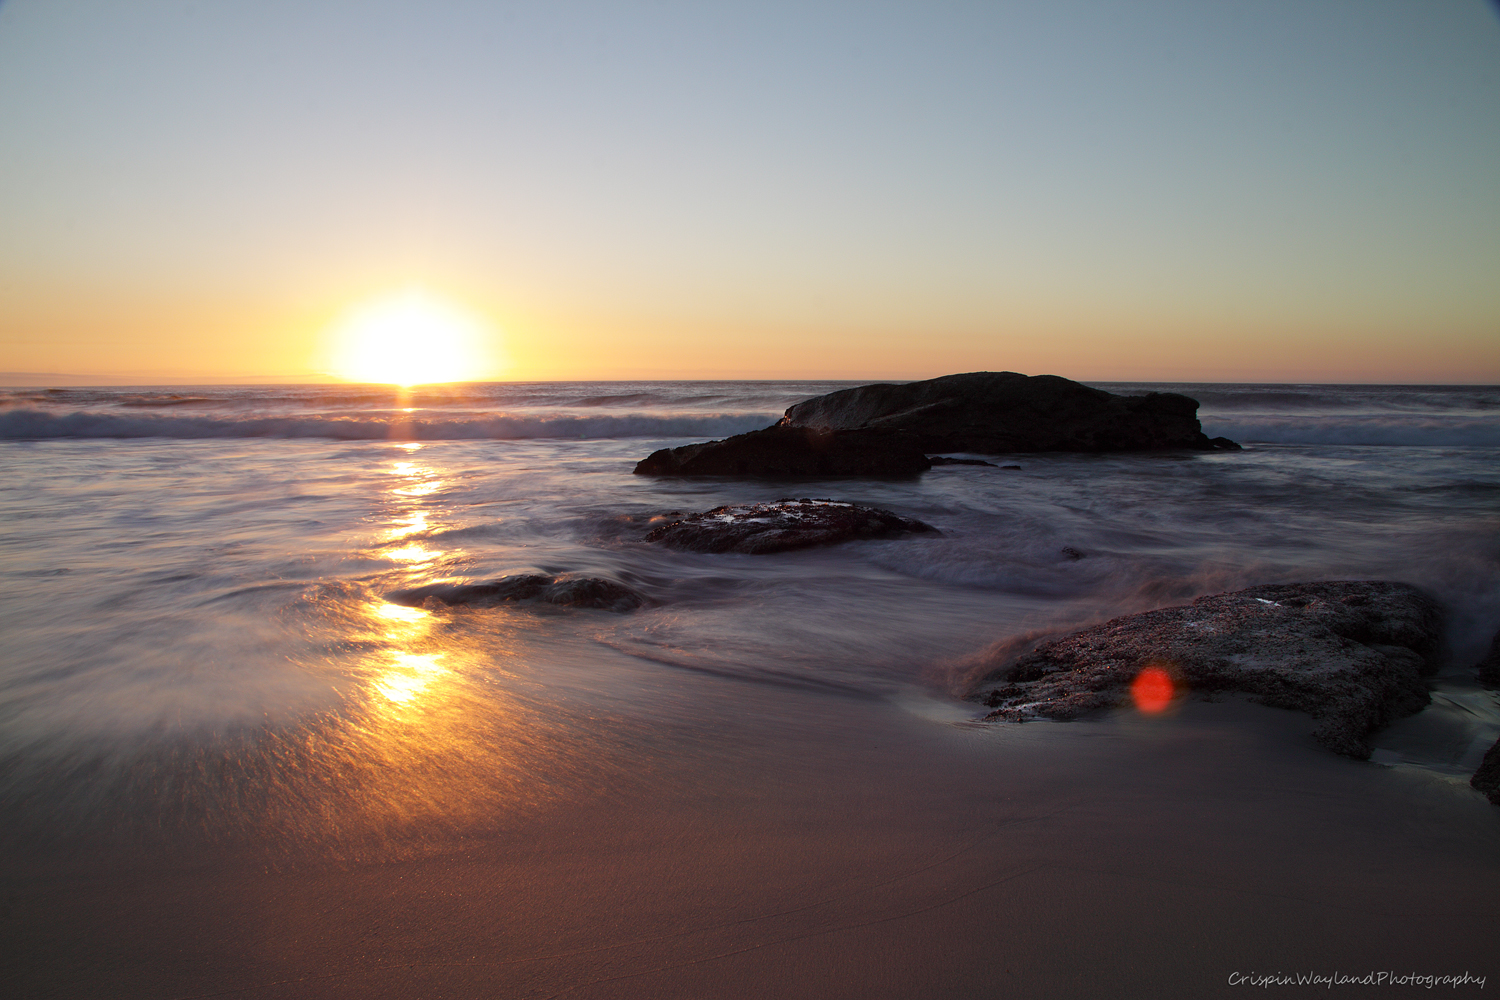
201 663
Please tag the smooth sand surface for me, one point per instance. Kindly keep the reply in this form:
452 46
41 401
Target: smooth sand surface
876 854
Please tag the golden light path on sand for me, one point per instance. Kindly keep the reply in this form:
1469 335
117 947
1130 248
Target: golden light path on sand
441 723
409 673
413 673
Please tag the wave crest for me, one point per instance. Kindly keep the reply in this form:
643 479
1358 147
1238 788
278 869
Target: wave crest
1450 432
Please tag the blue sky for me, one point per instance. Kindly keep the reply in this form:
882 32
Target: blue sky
1266 190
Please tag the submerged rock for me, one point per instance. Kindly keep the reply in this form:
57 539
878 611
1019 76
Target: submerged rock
1487 778
1001 412
1489 667
948 460
1352 654
576 592
759 528
793 451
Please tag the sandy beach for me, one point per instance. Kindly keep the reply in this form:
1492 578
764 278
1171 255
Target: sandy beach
878 854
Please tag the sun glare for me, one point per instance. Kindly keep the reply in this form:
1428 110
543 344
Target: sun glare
409 339
1153 690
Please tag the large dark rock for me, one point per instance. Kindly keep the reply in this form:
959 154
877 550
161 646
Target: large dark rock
1489 667
1002 412
577 592
1487 778
760 528
1352 654
793 451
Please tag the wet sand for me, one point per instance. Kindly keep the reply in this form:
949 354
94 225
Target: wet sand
805 845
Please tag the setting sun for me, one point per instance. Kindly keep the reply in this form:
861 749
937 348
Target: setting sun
409 339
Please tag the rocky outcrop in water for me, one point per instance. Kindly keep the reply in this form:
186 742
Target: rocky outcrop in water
1002 412
1489 667
1487 778
576 592
793 451
889 430
1352 654
937 460
760 528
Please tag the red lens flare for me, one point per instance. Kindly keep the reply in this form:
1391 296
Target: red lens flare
1152 690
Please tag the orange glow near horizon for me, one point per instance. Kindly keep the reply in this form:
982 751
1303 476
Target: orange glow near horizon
1152 690
92 336
409 339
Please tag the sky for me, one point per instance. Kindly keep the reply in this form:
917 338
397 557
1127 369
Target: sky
1268 190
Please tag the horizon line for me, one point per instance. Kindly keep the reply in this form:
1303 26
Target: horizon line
268 381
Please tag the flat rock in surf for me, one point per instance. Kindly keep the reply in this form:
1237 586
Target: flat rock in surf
1352 654
1002 412
576 592
793 451
760 528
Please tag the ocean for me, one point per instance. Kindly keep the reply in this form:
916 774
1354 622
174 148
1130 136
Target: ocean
200 660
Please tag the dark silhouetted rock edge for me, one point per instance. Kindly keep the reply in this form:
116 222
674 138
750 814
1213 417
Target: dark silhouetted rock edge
793 451
1352 654
1489 667
1487 778
576 592
889 430
1002 412
757 529
937 460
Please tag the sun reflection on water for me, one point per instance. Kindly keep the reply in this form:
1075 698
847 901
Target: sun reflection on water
416 481
409 724
413 554
413 673
414 522
422 481
441 724
401 613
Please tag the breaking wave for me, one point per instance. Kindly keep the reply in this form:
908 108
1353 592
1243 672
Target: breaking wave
1366 429
28 424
